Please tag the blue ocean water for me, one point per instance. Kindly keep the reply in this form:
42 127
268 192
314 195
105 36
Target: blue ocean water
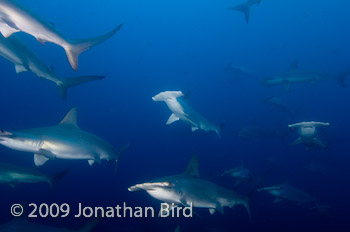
187 45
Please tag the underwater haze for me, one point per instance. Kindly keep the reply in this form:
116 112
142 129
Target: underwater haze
245 84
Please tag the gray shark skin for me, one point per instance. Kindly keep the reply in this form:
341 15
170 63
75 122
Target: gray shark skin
241 72
288 192
245 8
24 59
21 225
14 17
189 188
240 174
181 110
63 141
12 175
296 76
279 104
307 133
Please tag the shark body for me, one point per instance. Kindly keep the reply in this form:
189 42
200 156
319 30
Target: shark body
288 192
296 76
181 110
189 188
15 17
12 175
63 141
24 59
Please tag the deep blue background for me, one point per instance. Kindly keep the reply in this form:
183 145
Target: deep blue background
186 45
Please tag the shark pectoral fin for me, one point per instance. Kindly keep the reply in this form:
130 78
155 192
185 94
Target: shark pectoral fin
277 200
211 211
172 119
48 154
6 30
42 41
91 162
40 160
20 68
319 143
220 209
296 142
194 128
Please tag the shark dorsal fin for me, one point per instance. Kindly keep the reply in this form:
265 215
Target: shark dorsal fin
192 167
293 65
70 118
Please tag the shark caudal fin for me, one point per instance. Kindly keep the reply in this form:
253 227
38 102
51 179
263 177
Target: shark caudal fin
77 46
244 8
58 176
120 154
342 76
74 81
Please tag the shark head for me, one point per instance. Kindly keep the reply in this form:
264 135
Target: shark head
161 189
164 96
19 141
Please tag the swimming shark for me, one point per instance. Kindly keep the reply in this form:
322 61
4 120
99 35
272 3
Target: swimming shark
189 189
24 59
286 191
12 175
307 133
181 110
22 225
240 174
63 141
295 76
15 17
245 8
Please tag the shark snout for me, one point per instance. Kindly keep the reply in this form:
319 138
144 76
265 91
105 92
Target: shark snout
150 186
5 133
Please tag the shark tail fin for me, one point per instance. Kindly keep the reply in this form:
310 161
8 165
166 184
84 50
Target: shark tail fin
74 81
58 176
342 76
244 8
78 46
120 154
246 206
89 226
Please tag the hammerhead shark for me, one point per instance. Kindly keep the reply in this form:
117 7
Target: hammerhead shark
12 175
24 59
189 189
63 141
15 17
295 76
181 110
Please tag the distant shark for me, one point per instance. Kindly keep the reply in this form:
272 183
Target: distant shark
63 141
307 133
181 110
295 76
245 8
21 225
14 17
288 192
24 59
189 188
12 175
240 174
